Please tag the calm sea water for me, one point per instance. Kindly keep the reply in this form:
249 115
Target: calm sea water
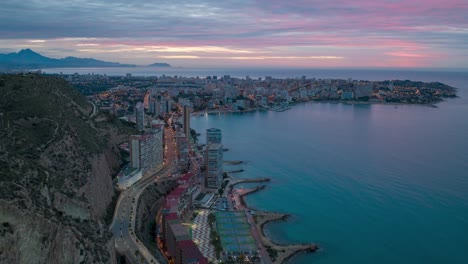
368 183
258 72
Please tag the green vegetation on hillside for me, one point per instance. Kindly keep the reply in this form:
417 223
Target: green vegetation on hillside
56 164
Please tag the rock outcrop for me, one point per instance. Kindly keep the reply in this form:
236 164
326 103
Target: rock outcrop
56 167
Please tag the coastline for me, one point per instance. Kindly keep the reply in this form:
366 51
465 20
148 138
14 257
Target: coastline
220 111
279 253
432 104
225 111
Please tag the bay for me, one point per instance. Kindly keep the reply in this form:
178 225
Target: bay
368 183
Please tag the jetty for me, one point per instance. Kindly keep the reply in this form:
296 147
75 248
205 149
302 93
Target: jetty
244 192
233 162
235 171
234 182
279 253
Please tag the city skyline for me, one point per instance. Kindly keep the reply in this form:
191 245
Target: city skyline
386 34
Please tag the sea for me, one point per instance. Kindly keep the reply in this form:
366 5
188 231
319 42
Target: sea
369 183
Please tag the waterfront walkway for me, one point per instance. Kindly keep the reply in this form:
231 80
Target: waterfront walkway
201 235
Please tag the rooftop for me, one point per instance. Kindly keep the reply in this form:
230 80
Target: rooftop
177 192
171 216
180 232
191 251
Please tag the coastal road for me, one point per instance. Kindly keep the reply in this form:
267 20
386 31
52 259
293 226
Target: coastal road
258 238
123 224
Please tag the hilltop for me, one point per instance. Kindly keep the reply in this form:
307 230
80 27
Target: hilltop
29 59
56 168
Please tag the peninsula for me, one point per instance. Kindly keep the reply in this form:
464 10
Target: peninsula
228 94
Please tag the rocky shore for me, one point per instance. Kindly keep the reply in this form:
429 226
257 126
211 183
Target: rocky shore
278 253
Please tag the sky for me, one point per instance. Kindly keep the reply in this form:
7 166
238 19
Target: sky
256 33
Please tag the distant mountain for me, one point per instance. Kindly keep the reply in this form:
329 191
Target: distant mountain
159 64
32 60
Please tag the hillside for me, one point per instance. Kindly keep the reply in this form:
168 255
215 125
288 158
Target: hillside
28 59
56 167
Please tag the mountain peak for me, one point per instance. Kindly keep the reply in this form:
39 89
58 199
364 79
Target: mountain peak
27 52
27 58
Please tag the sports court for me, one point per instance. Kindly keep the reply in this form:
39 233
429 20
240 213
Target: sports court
235 234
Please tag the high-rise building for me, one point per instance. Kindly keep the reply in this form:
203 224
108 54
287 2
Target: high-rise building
168 106
146 99
146 151
165 105
140 116
154 106
157 107
214 165
135 151
213 136
182 146
151 102
187 121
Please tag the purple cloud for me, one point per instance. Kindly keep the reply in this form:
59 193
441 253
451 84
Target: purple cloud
417 33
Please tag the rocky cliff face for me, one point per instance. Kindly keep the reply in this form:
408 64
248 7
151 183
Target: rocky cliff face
56 167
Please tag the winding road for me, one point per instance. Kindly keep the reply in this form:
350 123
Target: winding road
123 224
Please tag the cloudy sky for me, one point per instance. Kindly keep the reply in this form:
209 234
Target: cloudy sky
224 33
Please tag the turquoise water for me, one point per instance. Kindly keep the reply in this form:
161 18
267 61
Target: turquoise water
368 183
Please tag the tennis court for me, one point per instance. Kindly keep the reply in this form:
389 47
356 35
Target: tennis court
234 231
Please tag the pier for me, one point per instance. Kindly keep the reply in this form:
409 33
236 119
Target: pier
235 171
233 162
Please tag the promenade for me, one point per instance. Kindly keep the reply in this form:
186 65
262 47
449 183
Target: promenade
201 235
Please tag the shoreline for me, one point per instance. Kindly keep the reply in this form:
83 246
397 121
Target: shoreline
432 104
281 252
218 111
225 111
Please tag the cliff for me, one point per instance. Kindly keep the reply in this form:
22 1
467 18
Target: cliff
56 167
150 202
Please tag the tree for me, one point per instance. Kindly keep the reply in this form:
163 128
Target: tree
194 135
211 218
